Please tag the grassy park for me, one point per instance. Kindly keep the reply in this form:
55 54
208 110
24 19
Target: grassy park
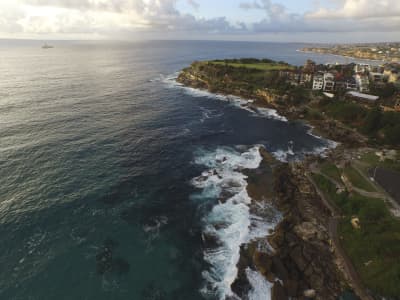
375 247
330 170
261 66
358 180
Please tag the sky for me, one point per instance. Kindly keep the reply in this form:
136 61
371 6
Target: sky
325 21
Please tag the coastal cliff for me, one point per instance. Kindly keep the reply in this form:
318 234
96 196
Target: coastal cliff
267 89
304 259
302 263
313 251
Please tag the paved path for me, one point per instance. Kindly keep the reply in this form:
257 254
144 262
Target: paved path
341 254
347 264
395 207
335 211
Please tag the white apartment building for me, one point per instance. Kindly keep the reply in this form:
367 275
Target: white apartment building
318 82
362 82
362 68
329 82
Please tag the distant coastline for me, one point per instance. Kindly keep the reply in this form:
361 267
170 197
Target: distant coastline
381 52
343 55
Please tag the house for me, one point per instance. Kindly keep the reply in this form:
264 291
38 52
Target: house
375 77
361 68
340 85
351 84
318 82
329 82
305 78
362 82
292 76
392 75
377 69
310 66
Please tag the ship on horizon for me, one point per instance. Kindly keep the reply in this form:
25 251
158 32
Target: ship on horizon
47 46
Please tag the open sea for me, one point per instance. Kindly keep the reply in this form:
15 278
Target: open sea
111 172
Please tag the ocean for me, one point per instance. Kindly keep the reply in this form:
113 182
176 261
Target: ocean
110 171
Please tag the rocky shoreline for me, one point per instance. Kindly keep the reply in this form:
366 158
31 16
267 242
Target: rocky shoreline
301 263
327 128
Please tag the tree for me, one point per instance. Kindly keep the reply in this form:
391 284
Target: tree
373 120
392 134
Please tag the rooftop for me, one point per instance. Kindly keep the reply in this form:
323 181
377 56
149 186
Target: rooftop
363 96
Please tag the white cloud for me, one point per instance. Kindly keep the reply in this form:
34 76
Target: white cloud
193 4
350 16
360 9
161 18
103 17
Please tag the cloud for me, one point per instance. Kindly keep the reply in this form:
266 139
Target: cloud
359 9
106 17
96 5
193 4
161 18
354 15
274 11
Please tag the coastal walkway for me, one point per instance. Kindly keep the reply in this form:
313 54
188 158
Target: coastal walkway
346 263
394 206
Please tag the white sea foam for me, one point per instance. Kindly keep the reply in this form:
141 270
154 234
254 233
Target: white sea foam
290 154
330 144
271 113
229 222
282 155
170 81
260 287
285 155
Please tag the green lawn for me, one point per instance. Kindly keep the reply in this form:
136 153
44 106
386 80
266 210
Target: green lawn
331 171
358 180
372 160
255 66
375 248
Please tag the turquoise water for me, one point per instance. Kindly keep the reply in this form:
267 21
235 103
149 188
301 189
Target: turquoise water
98 150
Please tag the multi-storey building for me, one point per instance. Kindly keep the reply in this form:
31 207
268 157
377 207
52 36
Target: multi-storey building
329 82
362 82
318 82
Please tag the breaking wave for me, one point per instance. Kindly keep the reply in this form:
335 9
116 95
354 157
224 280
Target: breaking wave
230 222
246 104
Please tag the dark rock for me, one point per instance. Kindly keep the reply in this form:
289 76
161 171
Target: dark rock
241 285
263 262
307 253
120 266
105 261
297 256
291 239
153 292
279 269
309 271
211 241
291 287
110 243
278 292
317 282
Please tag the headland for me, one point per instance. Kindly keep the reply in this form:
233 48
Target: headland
338 235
